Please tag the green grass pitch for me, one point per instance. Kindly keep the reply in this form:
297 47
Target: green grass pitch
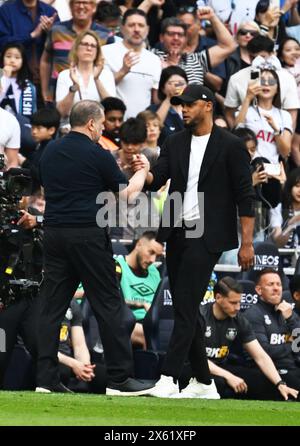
30 409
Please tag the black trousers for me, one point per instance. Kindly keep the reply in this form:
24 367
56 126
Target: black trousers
189 265
73 255
259 387
20 318
97 385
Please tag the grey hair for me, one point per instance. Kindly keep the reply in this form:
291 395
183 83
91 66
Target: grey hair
85 110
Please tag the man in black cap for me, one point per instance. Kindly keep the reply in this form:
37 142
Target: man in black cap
210 180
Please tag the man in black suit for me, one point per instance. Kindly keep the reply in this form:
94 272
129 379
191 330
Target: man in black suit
210 173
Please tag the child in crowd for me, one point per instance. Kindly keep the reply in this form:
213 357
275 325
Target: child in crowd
44 125
154 126
17 93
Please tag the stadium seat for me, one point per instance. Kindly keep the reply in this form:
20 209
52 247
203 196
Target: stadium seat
266 256
118 248
90 325
159 321
286 295
297 266
249 295
19 374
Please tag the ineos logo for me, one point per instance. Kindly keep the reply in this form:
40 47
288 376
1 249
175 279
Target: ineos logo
248 299
167 298
265 261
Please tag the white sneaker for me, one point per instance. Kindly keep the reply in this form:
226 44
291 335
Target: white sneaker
198 390
165 388
42 390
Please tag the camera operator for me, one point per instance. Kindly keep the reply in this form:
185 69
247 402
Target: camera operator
20 268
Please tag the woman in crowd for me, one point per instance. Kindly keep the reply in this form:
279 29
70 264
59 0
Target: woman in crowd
261 112
240 58
87 78
173 80
270 20
289 56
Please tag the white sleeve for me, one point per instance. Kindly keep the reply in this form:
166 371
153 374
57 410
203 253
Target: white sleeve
156 72
14 141
64 82
231 98
287 122
276 217
288 90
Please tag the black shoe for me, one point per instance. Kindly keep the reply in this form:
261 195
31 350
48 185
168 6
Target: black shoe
58 388
129 387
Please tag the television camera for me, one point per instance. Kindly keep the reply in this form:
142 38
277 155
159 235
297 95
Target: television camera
19 273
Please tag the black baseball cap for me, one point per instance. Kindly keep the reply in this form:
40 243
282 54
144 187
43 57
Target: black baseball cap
192 93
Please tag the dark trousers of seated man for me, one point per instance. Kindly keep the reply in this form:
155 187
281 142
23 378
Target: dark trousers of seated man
97 385
259 387
74 255
19 318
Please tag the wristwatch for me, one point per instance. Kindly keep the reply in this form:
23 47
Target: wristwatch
73 88
281 382
39 221
277 132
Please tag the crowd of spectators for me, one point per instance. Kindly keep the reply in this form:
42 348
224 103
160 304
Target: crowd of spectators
133 56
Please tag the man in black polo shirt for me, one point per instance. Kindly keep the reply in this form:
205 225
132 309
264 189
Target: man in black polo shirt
225 326
73 171
275 324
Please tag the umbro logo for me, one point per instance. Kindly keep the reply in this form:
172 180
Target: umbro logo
142 289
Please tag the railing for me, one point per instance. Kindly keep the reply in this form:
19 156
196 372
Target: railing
295 252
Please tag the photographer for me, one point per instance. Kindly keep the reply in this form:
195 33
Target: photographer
20 270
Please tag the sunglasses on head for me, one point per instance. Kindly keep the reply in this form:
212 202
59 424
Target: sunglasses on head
244 32
187 9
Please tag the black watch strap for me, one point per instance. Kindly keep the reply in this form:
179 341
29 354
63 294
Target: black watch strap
73 88
281 382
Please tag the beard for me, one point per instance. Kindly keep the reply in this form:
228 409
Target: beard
190 125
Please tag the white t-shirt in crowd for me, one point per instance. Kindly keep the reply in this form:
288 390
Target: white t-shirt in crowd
135 88
10 133
238 85
90 91
190 202
266 144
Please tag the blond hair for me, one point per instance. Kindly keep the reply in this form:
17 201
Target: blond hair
73 57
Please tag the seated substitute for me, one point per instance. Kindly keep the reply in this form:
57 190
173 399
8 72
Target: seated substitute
74 356
139 280
275 323
225 326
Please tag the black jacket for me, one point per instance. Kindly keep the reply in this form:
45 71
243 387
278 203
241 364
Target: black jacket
224 179
273 331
